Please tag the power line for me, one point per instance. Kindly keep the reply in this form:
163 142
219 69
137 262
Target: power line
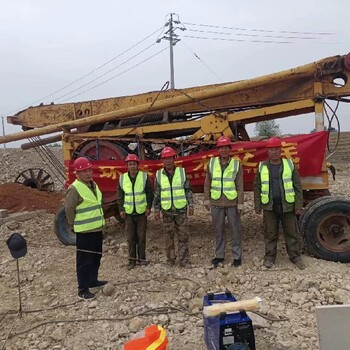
99 67
260 30
255 35
195 55
104 74
117 75
240 40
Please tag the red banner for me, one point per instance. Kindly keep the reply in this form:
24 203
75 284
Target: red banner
306 151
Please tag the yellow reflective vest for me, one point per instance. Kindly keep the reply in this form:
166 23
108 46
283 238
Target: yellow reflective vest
88 214
134 196
223 182
174 192
289 194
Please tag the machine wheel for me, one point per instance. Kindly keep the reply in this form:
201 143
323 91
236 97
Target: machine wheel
101 150
325 226
308 209
36 178
62 230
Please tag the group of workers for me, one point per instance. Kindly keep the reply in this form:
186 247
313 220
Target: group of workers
277 192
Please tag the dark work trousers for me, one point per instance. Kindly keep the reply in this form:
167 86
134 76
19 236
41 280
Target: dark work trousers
136 226
88 263
272 218
218 215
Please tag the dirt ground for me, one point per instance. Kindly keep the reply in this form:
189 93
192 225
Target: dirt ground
54 318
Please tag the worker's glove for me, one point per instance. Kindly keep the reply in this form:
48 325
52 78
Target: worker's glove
207 205
240 208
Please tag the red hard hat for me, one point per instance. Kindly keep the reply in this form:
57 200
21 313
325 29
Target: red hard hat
167 152
273 142
132 158
82 163
223 141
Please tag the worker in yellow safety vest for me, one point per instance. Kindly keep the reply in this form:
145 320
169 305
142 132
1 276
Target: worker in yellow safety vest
278 192
135 198
152 338
224 196
84 214
173 198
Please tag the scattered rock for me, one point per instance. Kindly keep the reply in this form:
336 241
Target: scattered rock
108 289
12 225
136 324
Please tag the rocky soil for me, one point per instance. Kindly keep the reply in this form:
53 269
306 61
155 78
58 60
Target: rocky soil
54 318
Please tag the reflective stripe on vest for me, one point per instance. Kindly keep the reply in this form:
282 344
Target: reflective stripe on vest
287 180
173 193
88 214
223 182
134 196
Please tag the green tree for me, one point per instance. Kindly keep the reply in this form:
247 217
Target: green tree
267 128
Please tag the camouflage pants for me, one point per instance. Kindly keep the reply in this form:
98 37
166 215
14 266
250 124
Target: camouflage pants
176 224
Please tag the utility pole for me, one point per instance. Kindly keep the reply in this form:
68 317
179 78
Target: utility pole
3 129
173 39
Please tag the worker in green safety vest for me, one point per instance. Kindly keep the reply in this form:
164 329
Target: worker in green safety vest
224 196
135 198
84 214
278 192
173 198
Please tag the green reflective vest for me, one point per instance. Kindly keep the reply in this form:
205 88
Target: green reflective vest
223 182
88 214
134 196
289 194
174 193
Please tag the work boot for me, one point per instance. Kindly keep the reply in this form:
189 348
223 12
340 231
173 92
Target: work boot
143 262
300 264
131 265
170 262
268 263
86 294
97 284
185 264
217 261
237 263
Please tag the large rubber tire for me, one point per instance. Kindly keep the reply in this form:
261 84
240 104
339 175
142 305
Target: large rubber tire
325 227
63 233
308 209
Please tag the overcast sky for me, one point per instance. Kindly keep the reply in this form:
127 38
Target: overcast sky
48 44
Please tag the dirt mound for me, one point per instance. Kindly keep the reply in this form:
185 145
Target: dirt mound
16 197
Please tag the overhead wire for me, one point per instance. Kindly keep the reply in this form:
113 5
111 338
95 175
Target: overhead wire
101 66
117 75
239 40
254 35
201 60
106 73
259 30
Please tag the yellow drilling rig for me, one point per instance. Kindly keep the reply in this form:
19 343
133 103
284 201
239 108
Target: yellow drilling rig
190 120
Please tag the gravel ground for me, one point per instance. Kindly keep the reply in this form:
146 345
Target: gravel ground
54 318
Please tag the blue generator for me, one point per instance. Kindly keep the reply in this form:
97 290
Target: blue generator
227 331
